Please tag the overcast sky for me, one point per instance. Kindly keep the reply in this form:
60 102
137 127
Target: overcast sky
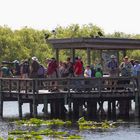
110 15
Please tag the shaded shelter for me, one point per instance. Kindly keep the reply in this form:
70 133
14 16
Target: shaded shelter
89 44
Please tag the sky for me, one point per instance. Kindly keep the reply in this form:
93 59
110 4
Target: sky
109 15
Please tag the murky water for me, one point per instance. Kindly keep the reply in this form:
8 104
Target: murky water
123 131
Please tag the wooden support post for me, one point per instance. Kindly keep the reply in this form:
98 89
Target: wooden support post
73 55
124 53
124 108
1 105
34 100
101 108
109 110
62 108
91 109
80 109
114 110
19 107
137 100
69 108
45 107
88 56
34 108
75 109
52 105
57 54
1 100
19 100
31 109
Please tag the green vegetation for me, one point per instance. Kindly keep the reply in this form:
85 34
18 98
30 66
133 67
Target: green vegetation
39 122
37 129
28 42
46 132
90 125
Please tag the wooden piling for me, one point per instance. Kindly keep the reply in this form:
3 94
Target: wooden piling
1 105
34 99
45 109
109 110
91 109
114 110
75 109
31 109
20 106
137 97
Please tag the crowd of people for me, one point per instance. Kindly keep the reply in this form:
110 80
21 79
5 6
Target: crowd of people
34 69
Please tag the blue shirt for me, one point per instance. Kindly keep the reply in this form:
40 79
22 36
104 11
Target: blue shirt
136 69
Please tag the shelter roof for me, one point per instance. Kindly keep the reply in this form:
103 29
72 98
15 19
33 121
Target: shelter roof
95 43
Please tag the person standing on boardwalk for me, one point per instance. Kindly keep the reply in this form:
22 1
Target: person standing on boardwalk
87 72
126 67
52 72
113 66
78 68
34 68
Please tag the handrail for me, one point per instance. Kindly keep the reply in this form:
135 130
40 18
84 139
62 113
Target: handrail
70 84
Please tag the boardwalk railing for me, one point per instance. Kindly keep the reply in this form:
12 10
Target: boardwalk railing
43 91
70 85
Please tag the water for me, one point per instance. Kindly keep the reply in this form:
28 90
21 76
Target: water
128 131
123 131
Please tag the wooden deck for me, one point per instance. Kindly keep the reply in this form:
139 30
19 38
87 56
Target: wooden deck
76 93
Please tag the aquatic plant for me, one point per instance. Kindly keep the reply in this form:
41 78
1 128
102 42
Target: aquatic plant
68 123
83 124
10 138
55 122
74 137
39 122
20 139
38 137
105 125
18 132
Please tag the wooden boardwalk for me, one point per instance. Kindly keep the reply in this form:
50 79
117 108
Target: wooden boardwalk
82 96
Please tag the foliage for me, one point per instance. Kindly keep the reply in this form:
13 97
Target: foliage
27 42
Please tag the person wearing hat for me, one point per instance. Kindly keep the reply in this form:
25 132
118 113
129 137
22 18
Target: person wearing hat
126 67
34 67
113 66
16 69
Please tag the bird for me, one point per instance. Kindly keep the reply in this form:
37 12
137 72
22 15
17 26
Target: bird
100 33
47 36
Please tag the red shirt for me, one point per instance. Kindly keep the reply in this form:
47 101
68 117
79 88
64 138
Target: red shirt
78 67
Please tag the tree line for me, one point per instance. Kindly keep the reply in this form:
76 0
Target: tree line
27 42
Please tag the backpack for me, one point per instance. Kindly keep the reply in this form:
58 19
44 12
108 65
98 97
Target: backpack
41 70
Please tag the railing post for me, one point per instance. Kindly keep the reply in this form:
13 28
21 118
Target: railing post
1 100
